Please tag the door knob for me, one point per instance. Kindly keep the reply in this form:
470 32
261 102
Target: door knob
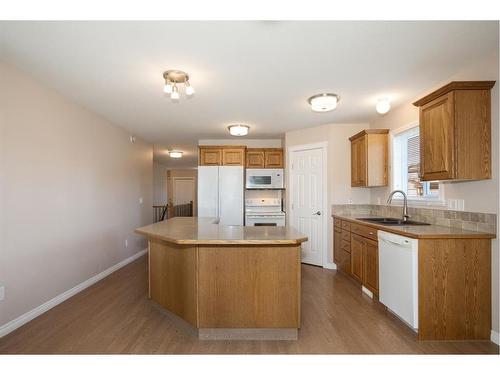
317 213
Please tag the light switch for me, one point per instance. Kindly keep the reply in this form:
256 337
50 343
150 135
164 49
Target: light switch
140 200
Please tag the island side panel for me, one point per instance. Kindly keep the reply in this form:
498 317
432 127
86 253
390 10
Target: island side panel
454 289
249 286
173 278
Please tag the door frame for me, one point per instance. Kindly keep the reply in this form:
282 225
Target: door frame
190 178
323 146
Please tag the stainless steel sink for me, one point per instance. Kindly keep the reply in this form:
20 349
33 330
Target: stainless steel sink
391 221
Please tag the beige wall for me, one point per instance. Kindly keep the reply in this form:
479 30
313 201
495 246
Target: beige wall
159 184
479 196
70 184
338 164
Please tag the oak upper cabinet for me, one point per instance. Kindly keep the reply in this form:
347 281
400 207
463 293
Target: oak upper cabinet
273 158
369 154
233 156
264 158
210 156
222 155
255 158
455 132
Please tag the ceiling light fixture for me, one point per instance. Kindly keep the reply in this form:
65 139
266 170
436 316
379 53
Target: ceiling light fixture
172 79
175 154
323 102
383 106
238 130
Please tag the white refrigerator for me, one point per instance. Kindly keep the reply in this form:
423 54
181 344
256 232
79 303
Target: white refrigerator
220 193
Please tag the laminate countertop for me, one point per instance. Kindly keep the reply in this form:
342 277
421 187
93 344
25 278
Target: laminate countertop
207 231
417 231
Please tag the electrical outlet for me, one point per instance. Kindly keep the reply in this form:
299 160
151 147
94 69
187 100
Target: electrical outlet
460 205
378 200
126 242
2 293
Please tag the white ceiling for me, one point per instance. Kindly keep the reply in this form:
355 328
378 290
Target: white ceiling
256 72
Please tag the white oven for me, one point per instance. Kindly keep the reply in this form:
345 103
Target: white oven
264 212
265 220
264 179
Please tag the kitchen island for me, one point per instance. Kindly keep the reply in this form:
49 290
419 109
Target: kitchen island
227 282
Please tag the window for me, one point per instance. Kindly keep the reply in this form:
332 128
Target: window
406 164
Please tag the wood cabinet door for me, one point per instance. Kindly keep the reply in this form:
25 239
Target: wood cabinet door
370 265
358 162
233 156
345 262
357 250
437 139
273 159
210 156
337 246
255 158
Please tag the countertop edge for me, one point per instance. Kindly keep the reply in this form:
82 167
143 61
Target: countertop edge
472 235
297 241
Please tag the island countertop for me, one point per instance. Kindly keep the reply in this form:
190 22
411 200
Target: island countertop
207 231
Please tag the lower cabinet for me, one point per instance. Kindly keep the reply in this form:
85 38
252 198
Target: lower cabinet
357 245
358 256
370 265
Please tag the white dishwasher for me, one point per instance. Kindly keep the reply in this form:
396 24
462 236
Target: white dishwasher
398 276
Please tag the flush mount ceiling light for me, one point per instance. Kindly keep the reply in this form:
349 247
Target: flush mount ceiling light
323 102
174 78
238 130
383 106
175 154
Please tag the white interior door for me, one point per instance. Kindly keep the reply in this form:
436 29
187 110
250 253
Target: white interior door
183 190
308 214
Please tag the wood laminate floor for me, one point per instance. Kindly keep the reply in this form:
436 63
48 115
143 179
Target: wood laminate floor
115 316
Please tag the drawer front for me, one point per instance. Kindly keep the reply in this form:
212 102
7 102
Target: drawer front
364 231
346 246
346 236
346 225
337 222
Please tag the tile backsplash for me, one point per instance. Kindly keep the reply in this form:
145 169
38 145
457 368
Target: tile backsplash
475 221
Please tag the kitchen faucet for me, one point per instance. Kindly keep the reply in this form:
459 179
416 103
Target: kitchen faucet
405 203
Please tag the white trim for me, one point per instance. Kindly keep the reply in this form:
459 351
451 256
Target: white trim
330 266
433 201
366 291
324 148
494 337
32 314
404 128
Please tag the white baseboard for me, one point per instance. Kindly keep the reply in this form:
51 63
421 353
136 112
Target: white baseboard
494 337
32 314
330 266
366 291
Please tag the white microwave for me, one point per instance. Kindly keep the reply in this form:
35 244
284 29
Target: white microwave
264 179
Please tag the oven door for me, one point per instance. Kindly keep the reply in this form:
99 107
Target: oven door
264 221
